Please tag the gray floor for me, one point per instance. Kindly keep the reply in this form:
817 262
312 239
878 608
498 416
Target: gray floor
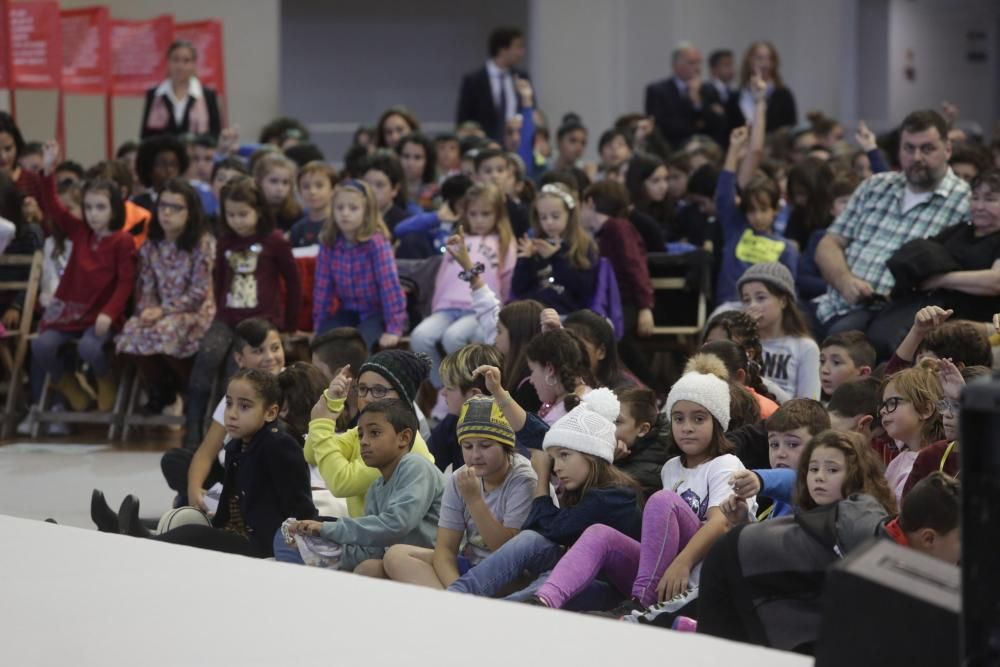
38 481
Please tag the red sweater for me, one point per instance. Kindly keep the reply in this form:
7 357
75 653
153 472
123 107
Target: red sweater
619 241
248 276
99 276
929 459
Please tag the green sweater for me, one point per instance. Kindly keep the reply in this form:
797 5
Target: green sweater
403 509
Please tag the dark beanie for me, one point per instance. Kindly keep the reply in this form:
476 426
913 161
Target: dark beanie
404 370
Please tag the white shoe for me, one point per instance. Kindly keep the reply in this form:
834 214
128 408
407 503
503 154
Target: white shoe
175 409
24 426
58 428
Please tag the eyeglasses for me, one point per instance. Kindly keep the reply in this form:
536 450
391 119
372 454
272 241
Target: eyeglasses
377 391
167 207
889 405
948 406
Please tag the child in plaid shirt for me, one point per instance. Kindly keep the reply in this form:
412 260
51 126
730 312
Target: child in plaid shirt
356 280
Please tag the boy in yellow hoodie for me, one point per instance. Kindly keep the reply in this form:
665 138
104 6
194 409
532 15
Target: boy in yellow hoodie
386 374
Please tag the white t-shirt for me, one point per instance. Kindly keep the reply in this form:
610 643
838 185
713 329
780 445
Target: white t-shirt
913 199
792 363
703 487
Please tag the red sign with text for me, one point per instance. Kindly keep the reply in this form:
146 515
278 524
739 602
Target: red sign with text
139 54
34 43
207 39
86 44
4 51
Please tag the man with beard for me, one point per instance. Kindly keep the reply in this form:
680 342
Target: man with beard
885 212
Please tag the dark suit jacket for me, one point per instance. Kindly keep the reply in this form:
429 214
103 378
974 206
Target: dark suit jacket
780 110
214 118
475 102
676 116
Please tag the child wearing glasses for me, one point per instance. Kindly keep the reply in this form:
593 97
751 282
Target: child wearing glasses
910 416
175 303
386 374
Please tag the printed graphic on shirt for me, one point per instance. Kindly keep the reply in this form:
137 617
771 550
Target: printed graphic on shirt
776 365
694 502
754 249
243 288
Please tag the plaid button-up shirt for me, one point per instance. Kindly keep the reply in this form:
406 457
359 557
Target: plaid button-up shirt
361 277
875 227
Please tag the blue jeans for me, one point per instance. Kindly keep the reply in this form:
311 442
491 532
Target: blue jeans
452 327
285 553
371 328
526 551
45 351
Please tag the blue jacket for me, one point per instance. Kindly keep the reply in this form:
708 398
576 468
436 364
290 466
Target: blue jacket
742 247
615 507
778 484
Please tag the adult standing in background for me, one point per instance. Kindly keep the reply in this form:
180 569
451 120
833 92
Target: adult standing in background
488 95
684 105
721 72
181 104
762 57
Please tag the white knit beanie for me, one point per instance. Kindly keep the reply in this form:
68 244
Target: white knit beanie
589 428
708 391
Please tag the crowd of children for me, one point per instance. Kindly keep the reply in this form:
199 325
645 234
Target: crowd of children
480 395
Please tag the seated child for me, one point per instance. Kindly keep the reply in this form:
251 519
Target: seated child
265 478
424 234
844 357
930 519
740 328
316 181
933 335
387 374
485 502
743 372
642 432
788 431
401 507
460 384
331 351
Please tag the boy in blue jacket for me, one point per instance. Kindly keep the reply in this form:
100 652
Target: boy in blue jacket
788 431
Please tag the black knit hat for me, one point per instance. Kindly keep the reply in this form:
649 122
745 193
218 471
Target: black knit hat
404 370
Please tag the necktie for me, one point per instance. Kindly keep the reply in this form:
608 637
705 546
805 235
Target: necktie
503 97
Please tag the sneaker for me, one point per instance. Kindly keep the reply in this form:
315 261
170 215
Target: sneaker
627 607
58 428
663 613
24 426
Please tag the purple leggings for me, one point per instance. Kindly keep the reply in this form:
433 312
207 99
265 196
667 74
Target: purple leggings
668 523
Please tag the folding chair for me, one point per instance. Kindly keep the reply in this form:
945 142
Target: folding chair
22 336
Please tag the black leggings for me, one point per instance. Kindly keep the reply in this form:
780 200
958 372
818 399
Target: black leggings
214 539
175 464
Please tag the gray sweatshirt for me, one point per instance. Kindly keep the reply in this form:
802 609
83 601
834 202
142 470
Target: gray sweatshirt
403 509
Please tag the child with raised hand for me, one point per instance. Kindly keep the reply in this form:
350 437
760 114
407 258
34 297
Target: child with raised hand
844 357
485 502
484 230
316 181
252 259
934 334
557 266
175 304
910 416
679 524
401 506
357 284
460 385
265 480
788 431
579 449
748 230
387 374
89 304
791 356
275 176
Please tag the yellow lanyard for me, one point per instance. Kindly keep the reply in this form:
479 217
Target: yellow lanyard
947 453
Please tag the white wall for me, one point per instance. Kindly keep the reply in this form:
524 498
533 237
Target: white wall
251 42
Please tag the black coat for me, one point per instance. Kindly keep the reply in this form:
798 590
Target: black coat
214 117
475 102
676 116
781 111
271 480
649 453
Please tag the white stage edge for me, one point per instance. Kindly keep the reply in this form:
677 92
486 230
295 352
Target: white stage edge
78 597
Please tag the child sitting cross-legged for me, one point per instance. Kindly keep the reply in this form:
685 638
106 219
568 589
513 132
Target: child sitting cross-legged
485 502
401 506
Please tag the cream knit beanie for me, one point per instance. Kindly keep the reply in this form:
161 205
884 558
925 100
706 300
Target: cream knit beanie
589 428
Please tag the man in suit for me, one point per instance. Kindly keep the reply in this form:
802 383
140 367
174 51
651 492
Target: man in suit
722 71
684 105
488 95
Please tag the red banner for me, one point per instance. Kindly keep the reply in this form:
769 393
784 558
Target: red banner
35 36
86 66
139 54
207 39
4 40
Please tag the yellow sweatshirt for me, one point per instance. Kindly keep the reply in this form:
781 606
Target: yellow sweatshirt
338 457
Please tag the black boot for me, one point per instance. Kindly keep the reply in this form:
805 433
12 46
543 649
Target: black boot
128 518
101 514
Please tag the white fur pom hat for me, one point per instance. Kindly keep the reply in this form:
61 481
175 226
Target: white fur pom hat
702 385
589 428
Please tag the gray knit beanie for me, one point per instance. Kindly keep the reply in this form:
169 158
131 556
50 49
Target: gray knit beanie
774 274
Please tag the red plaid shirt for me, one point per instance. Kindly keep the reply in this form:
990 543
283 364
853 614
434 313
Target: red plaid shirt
360 277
